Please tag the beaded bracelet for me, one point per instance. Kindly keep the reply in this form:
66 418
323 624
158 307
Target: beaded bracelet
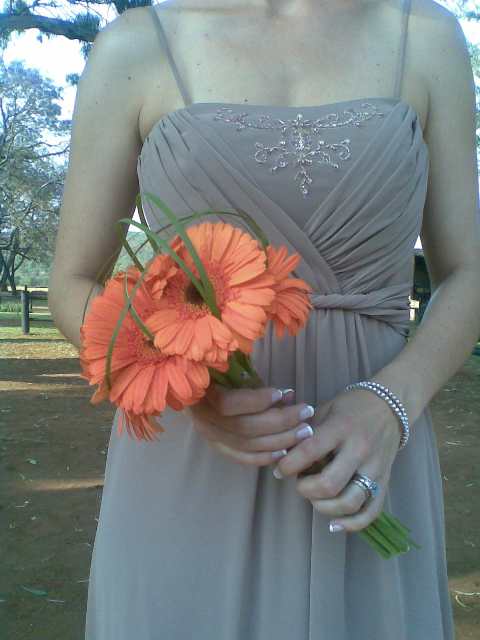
392 400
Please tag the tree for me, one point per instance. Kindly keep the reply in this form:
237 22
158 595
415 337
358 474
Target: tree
82 26
32 169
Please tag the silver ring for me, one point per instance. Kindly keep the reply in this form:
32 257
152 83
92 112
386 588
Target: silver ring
371 487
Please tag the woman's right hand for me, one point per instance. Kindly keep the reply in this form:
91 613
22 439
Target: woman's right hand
249 425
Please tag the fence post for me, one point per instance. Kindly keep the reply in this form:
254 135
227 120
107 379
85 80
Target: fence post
30 299
25 312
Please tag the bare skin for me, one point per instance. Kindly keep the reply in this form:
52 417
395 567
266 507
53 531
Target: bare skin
290 55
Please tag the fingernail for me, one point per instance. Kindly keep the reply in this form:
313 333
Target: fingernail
335 526
279 454
307 412
277 395
304 432
277 473
288 396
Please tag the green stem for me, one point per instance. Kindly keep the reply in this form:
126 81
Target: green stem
373 543
396 534
396 523
235 371
380 538
219 377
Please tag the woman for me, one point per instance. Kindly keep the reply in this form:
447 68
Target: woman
196 537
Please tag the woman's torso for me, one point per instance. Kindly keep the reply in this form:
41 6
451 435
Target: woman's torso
234 52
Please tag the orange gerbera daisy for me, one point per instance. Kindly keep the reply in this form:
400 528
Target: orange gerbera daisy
143 379
292 304
157 272
183 323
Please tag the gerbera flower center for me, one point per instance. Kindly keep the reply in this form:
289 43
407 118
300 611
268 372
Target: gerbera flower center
192 295
146 351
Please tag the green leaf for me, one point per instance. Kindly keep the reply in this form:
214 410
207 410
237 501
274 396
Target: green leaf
141 215
129 249
255 227
36 592
133 312
163 244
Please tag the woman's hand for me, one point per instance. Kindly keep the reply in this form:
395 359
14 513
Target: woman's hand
249 425
364 434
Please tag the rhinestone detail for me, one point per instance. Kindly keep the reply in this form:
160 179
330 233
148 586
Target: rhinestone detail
392 400
300 140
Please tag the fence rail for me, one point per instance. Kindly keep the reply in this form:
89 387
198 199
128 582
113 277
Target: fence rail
27 299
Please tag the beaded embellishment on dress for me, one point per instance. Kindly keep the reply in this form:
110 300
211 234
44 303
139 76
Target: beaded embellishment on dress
299 138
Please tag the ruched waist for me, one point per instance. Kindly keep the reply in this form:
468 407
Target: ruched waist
389 304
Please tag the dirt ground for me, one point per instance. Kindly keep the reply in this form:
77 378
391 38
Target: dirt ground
53 446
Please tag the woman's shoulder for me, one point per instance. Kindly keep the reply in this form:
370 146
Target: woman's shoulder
128 38
129 44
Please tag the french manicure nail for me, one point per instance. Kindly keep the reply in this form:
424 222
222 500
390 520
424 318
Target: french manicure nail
305 431
277 395
279 454
335 526
288 396
307 412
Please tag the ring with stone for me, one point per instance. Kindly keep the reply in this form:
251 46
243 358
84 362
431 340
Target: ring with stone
371 487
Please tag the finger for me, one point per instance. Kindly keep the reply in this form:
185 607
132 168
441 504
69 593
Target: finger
269 422
213 433
304 454
230 402
350 501
288 397
272 421
271 443
370 510
336 475
240 457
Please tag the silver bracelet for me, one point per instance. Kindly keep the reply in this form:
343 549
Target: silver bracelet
392 400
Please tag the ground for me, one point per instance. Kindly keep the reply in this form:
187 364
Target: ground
53 445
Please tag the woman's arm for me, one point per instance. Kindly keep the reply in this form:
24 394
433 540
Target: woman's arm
69 311
450 233
101 182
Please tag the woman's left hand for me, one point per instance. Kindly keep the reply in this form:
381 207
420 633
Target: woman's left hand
364 434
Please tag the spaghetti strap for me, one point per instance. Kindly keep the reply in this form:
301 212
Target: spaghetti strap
401 59
164 44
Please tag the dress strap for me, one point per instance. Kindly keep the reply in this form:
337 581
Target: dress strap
399 75
164 45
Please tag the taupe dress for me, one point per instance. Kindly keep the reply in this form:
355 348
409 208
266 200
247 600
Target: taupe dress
192 546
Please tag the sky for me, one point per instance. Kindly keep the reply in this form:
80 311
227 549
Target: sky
56 57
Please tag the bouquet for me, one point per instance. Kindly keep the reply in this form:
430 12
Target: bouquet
160 333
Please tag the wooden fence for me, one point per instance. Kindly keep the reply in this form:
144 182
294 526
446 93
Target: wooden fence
420 292
27 300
